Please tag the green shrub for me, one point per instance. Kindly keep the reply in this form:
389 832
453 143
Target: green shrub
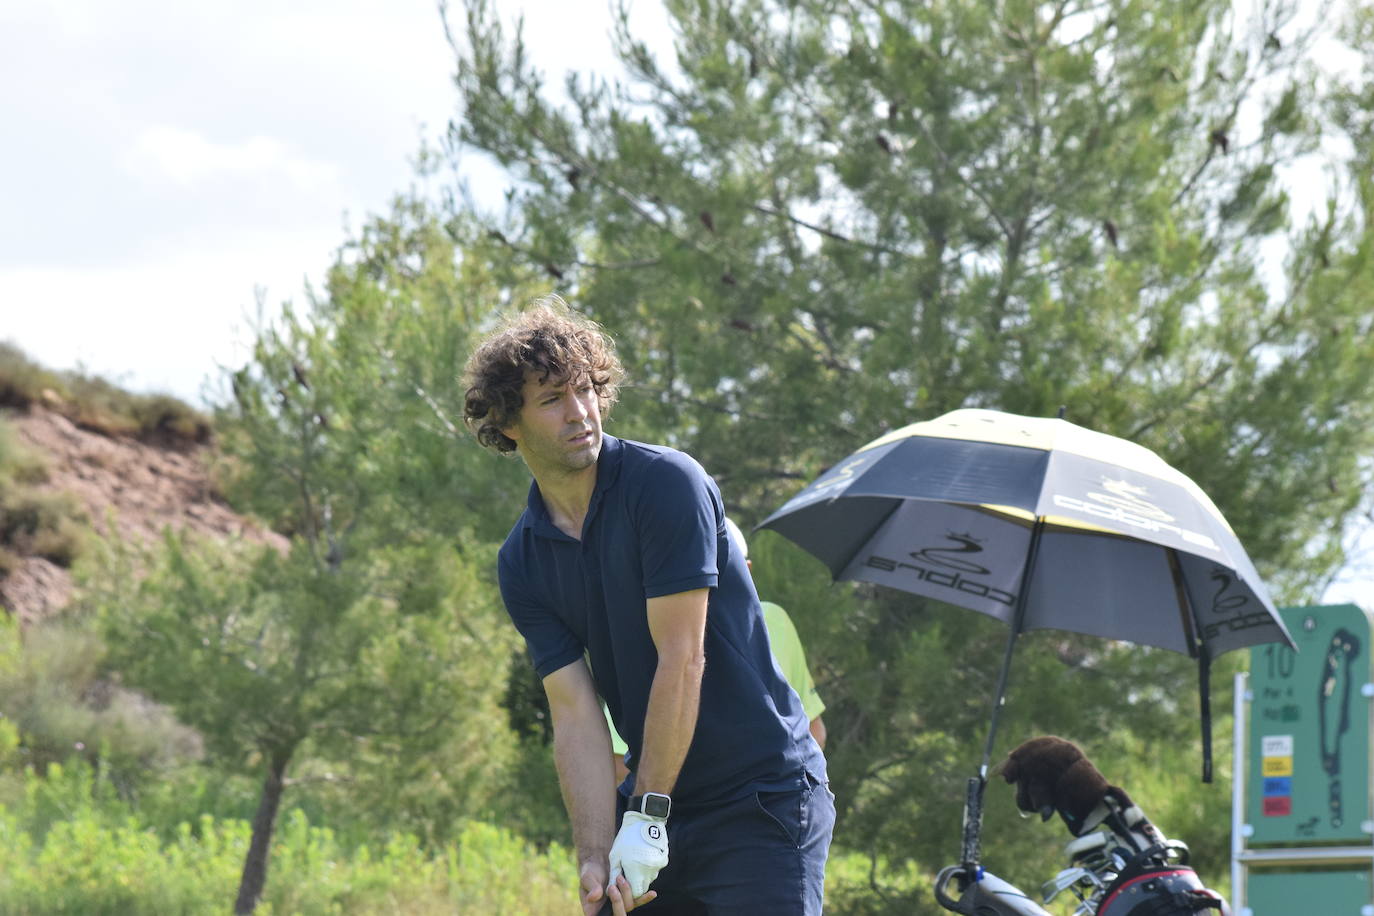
97 404
49 525
23 381
68 846
33 523
18 464
858 884
185 794
164 420
539 815
51 689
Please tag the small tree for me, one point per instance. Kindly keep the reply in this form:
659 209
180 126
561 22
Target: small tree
278 660
374 651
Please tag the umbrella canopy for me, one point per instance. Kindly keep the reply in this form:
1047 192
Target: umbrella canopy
1043 525
1125 546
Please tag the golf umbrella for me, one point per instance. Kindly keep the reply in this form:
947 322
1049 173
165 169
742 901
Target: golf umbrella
1041 524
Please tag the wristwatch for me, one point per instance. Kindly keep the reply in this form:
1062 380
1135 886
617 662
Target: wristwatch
654 804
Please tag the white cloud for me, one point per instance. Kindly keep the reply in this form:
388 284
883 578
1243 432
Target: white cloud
165 322
187 157
157 125
179 155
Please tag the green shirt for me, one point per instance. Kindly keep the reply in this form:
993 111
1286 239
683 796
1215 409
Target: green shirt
791 659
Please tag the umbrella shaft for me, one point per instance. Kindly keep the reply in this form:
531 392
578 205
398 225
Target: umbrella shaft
1017 622
973 803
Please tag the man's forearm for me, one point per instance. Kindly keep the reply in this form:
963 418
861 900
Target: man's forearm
583 759
669 722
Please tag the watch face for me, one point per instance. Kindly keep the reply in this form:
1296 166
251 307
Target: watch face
655 805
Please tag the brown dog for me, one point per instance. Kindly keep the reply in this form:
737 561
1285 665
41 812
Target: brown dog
1051 775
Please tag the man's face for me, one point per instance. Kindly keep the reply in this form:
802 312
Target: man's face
558 429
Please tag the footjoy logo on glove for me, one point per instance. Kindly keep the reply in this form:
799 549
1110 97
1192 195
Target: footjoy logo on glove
653 831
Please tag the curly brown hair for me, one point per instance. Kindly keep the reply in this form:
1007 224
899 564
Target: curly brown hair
549 339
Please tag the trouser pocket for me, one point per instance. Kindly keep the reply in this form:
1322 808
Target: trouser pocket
786 811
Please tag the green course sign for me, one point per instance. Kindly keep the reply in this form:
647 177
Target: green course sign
1319 892
1308 778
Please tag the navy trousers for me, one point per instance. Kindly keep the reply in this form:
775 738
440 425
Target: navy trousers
761 855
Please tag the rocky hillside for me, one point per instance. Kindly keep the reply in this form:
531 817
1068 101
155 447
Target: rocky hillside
142 488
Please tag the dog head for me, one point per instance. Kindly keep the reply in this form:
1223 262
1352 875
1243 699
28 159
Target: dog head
1051 774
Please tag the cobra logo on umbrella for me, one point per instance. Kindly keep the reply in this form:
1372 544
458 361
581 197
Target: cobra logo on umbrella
945 556
965 565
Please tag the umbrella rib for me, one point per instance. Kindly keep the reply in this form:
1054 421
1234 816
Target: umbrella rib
1199 651
1185 605
860 542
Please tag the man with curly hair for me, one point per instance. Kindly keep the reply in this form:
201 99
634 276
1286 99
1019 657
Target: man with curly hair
622 579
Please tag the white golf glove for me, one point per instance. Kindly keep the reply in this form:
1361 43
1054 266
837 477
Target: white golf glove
640 850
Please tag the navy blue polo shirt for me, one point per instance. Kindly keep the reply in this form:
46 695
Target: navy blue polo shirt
655 527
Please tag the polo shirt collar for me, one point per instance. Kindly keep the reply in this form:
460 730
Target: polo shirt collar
607 472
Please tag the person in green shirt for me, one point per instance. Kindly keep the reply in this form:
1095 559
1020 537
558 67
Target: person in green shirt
787 652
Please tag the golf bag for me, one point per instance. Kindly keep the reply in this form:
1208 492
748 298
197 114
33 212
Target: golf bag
1119 862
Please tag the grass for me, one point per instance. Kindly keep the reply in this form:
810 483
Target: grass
96 404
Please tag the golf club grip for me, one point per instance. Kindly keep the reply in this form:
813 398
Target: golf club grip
973 823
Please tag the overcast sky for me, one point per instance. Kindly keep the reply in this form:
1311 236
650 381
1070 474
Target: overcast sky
164 159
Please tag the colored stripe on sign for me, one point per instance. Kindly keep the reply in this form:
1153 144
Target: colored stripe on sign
1277 766
1278 785
1278 807
1276 746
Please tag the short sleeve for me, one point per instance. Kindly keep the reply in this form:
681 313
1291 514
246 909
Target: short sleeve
550 643
786 644
678 517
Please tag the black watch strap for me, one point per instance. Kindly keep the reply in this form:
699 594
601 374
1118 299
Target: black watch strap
654 804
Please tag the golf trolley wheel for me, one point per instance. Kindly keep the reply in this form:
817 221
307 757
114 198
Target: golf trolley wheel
942 880
985 895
